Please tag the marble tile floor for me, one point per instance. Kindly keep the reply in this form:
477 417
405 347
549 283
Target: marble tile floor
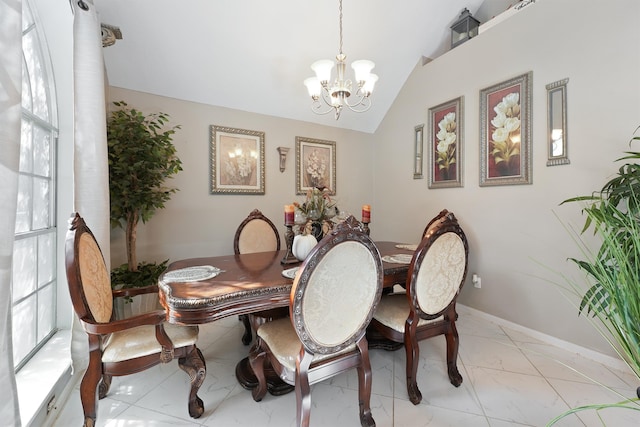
510 379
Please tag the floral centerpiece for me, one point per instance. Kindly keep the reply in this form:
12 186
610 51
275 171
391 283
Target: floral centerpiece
506 134
314 215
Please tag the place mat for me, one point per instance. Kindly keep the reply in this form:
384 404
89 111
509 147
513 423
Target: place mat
191 274
398 258
290 273
410 247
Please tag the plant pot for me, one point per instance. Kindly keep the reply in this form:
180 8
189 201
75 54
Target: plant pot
124 308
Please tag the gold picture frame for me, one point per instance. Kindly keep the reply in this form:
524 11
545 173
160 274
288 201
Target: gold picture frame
446 144
505 132
237 161
315 165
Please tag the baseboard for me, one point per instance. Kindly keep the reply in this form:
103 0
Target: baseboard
609 361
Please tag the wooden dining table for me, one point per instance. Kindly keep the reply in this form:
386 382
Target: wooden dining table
247 283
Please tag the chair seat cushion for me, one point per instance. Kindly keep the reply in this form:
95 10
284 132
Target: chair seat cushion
285 345
393 310
141 341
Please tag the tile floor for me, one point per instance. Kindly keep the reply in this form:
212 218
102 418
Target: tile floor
510 379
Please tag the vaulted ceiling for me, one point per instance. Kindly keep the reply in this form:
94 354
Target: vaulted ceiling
253 55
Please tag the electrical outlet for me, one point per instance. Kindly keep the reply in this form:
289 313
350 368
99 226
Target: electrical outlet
51 404
477 281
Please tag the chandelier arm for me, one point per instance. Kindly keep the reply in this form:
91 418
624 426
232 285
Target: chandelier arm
361 106
316 107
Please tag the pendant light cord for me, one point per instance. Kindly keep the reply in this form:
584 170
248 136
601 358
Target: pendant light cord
340 27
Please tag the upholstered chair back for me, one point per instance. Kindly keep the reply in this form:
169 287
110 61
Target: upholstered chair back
89 279
256 234
440 268
337 289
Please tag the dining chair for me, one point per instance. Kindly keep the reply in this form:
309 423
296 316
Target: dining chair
127 346
428 308
334 295
256 233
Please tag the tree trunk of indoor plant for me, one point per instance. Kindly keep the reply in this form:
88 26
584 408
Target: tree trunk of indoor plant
131 234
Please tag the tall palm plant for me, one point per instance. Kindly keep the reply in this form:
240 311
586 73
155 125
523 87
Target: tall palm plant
613 293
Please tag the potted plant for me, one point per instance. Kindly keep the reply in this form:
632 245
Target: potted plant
612 295
141 158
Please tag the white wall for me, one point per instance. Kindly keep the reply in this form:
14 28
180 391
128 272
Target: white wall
513 228
197 223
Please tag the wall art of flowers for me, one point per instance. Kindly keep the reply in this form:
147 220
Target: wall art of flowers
316 167
504 132
237 161
315 164
445 142
445 146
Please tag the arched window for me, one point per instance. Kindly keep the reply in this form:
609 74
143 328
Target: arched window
34 255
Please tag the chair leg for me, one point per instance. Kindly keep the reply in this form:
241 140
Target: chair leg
364 385
413 354
194 365
88 389
303 391
248 334
104 386
257 359
453 342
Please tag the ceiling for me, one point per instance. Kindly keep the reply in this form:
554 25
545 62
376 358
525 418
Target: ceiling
253 55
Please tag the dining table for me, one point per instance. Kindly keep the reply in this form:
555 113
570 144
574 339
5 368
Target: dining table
196 291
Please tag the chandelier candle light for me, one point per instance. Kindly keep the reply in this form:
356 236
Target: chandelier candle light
336 95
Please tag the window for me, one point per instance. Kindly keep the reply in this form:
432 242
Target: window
34 255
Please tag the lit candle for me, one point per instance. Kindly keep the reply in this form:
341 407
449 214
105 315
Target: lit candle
288 214
366 214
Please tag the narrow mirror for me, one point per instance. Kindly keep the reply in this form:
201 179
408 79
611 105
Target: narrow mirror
557 123
417 161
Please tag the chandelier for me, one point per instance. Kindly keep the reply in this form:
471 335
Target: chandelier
328 96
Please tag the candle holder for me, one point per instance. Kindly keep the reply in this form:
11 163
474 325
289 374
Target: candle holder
289 258
365 225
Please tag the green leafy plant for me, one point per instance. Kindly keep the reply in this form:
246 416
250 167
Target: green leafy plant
146 275
141 158
613 271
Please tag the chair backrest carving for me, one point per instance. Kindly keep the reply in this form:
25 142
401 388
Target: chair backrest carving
337 289
439 268
87 274
256 233
435 222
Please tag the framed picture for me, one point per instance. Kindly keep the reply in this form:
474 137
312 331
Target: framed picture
418 149
505 132
315 164
557 123
237 161
446 127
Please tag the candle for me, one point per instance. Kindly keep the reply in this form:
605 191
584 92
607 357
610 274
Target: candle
366 214
288 214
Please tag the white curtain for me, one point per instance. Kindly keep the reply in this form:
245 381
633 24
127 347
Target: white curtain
10 116
91 171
